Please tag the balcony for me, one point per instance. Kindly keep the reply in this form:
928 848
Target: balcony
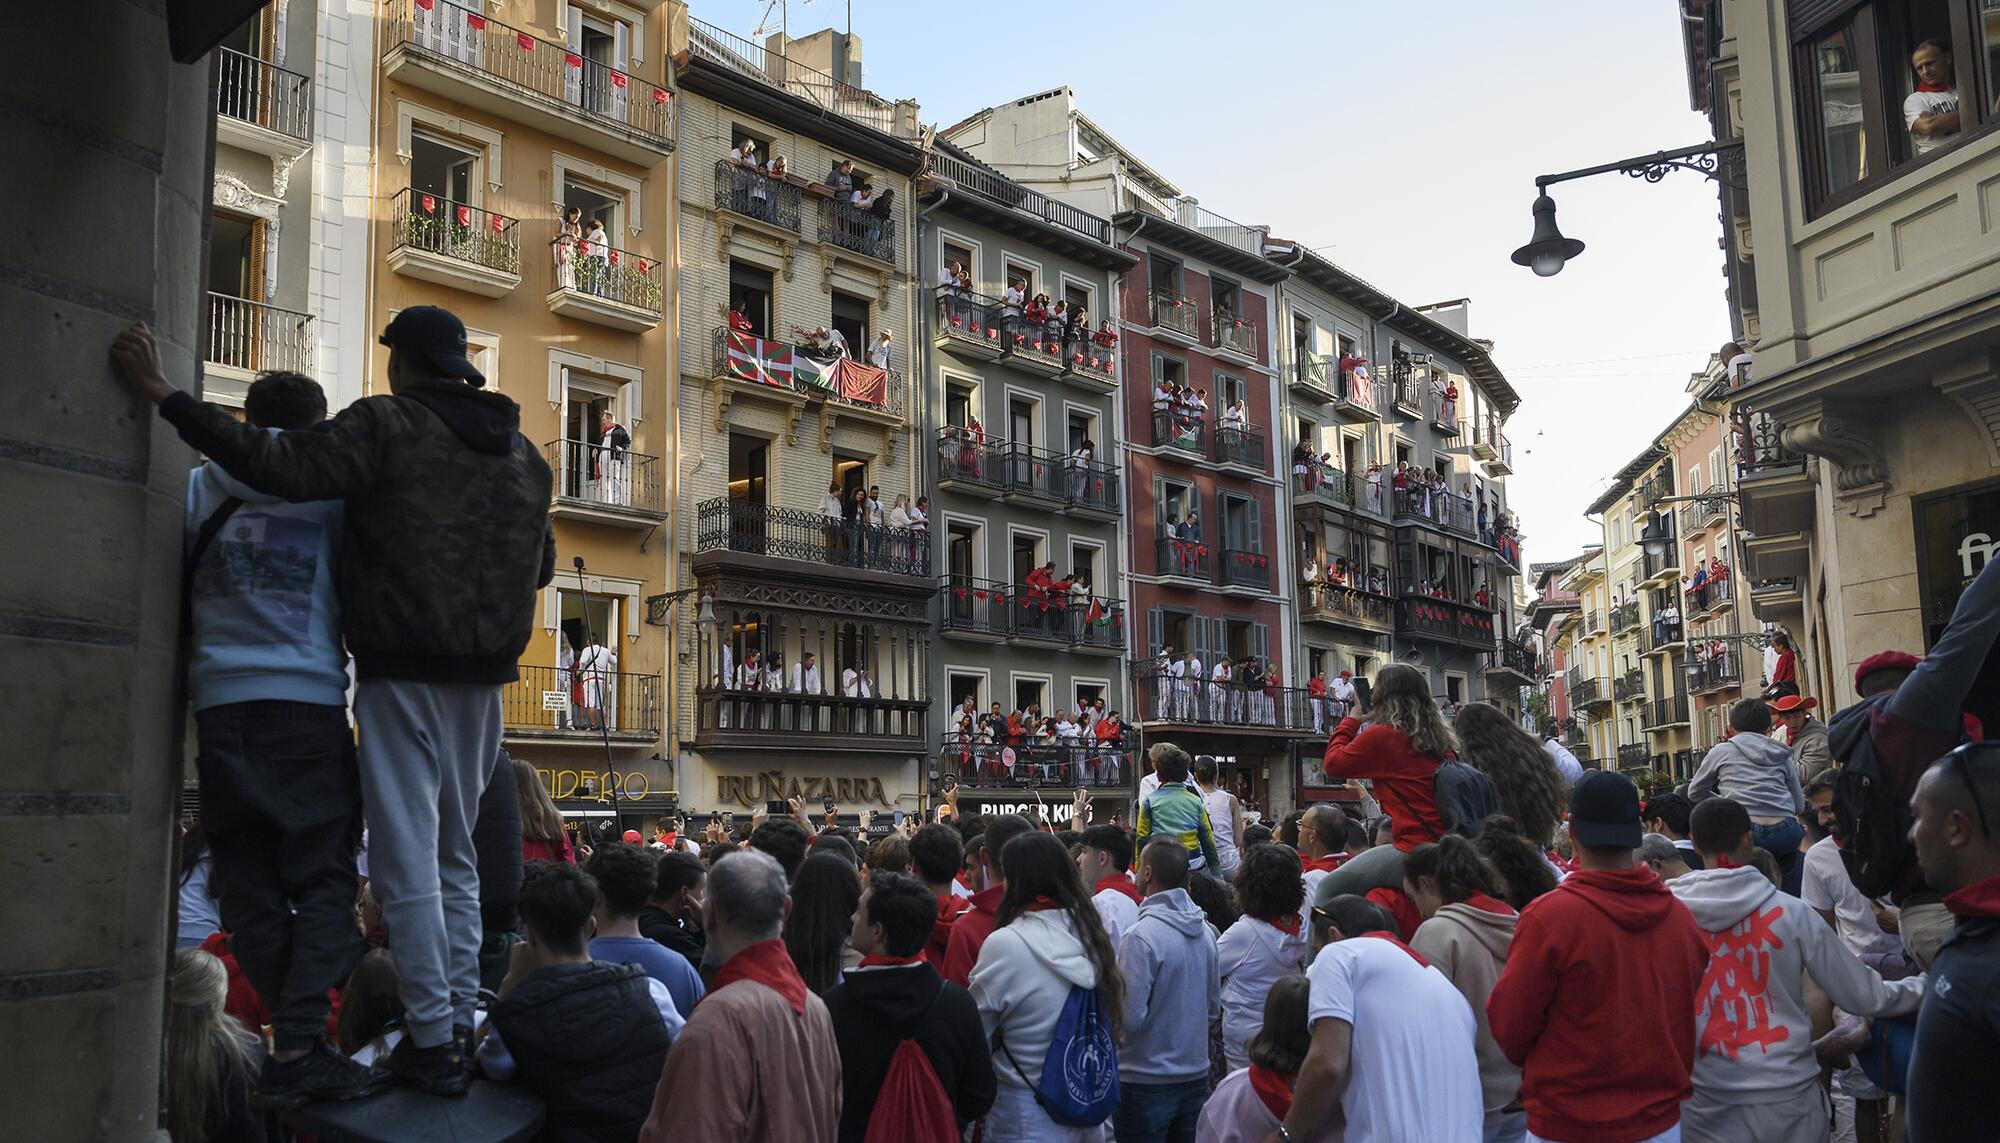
858 229
762 530
1774 481
1158 697
1665 567
1777 600
1180 429
975 765
1657 487
1630 686
467 57
549 703
1445 511
1356 397
606 286
1593 623
1311 377
1586 690
1512 660
1245 568
1624 617
968 324
1662 638
1241 447
594 484
1093 365
454 244
1699 515
1666 713
1342 606
1441 411
990 611
1633 756
1172 314
1031 346
1720 671
1092 490
784 720
1232 331
1406 391
1714 595
752 194
261 107
246 338
1184 562
1327 485
970 464
974 609
1502 463
764 364
1445 621
1576 736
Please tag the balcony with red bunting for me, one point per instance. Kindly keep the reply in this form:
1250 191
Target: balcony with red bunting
1445 621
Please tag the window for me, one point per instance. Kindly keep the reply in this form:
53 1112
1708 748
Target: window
1242 529
1078 298
1084 560
445 170
1454 688
1230 390
960 687
1021 277
738 132
1176 630
236 256
1343 345
1163 274
1087 693
1886 83
1225 295
1021 421
1177 500
750 295
1302 338
956 254
1169 372
1028 692
595 204
588 617
850 317
585 400
1027 554
748 468
960 401
1350 455
1082 428
851 473
1402 453
961 549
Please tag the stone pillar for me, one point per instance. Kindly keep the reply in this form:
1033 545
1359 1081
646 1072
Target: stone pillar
108 210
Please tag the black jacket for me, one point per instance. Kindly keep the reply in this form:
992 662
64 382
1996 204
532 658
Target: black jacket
447 536
683 937
874 1010
1958 1036
589 1040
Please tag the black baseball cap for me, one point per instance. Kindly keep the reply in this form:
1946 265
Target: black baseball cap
436 336
1604 810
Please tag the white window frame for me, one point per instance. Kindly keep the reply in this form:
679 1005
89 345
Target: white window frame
1076 702
1099 565
980 701
1039 421
957 238
1024 530
563 166
973 381
629 379
980 558
1016 678
630 601
1064 280
488 140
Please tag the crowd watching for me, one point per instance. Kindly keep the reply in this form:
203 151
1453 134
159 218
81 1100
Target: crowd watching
1496 949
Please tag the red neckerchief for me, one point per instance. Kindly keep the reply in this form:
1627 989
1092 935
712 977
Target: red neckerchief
1041 904
1486 904
1393 939
1118 883
877 961
1275 1090
1322 864
1979 899
766 963
1936 88
1289 924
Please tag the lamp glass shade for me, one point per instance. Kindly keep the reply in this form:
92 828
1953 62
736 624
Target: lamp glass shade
705 617
1548 250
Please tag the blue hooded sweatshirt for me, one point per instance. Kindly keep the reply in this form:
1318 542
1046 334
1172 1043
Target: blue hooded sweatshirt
266 622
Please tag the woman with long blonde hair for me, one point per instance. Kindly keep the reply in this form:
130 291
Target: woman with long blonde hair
542 836
212 1060
1524 781
1397 743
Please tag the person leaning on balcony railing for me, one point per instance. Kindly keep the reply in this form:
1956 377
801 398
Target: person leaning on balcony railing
596 251
841 177
739 321
1080 460
1302 465
569 232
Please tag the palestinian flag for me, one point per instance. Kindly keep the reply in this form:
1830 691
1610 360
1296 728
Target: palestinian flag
1095 615
813 375
758 359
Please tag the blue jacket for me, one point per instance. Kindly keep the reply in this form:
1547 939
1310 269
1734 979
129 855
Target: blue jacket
1173 990
266 619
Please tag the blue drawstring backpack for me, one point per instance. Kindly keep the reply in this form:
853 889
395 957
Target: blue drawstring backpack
1079 1084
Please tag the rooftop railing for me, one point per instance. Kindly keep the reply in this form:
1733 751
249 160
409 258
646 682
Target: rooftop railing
1001 189
1227 231
810 84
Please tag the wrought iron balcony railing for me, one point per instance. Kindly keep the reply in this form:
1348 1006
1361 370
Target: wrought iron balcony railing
1446 620
1160 697
1238 443
1629 686
1187 558
255 337
755 194
259 92
783 365
1721 669
587 703
1180 428
759 529
604 271
456 230
1669 711
860 229
978 764
595 475
1243 567
975 606
1000 189
1172 311
1340 603
1514 656
1233 331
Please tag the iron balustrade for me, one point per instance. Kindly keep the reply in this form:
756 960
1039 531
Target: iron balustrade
1586 691
1712 594
755 194
262 93
1761 449
1657 487
1514 656
1574 677
1444 619
1628 686
1666 711
1001 189
1624 616
1448 511
1633 756
1039 339
1661 635
816 87
1718 670
726 524
1242 567
1357 387
1036 472
1593 622
1341 603
1504 449
604 271
455 230
543 69
1576 736
1405 387
1232 331
1093 358
745 716
975 762
964 316
858 228
1161 697
973 605
1315 371
255 337
1180 427
591 473
1238 443
1441 411
1101 624
1332 485
1091 485
1172 311
586 703
722 363
1187 558
1699 514
1667 562
967 457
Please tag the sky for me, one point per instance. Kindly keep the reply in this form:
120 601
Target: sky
1403 140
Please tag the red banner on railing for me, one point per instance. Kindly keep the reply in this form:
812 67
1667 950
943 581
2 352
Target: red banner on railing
863 383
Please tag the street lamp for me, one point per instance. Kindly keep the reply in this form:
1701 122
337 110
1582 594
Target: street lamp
1548 250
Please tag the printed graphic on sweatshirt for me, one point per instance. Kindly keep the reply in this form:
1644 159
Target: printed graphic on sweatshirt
260 571
1735 999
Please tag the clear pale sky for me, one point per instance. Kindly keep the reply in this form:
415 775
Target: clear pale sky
1405 138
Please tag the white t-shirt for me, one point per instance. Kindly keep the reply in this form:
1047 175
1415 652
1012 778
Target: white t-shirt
1922 103
1826 885
1413 1074
1117 911
1565 762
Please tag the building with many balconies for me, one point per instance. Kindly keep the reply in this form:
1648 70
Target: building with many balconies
487 133
807 640
1555 614
1867 300
1024 463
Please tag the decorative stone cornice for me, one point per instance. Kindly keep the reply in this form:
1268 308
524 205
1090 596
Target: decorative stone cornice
1861 472
1974 382
232 193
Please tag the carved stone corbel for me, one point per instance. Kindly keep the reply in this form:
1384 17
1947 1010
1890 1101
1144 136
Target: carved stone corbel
1974 383
826 270
725 231
1861 472
825 428
787 250
889 437
792 415
882 286
719 391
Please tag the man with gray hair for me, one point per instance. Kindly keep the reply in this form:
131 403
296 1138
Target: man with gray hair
1658 852
759 1031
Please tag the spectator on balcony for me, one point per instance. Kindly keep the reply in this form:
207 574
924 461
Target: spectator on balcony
739 322
1373 478
1058 324
899 526
1450 402
841 178
1076 327
596 251
1931 111
805 675
750 676
597 664
879 352
855 682
1037 312
774 673
1342 694
611 460
1302 465
1234 417
1378 582
857 528
1106 340
1080 460
569 232
1011 300
1109 732
745 153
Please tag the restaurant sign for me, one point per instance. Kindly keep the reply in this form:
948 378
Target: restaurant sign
749 790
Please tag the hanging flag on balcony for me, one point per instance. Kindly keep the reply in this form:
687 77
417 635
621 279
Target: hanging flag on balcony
759 359
864 384
811 373
659 95
618 79
475 21
499 223
430 205
426 5
572 59
526 41
464 216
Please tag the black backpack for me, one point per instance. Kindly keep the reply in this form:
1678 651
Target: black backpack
1871 815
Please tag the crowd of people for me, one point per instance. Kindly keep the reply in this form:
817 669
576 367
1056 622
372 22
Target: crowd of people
1026 747
1242 690
1182 412
1023 322
754 191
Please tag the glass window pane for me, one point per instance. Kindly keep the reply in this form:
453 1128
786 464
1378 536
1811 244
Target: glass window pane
1986 29
1837 67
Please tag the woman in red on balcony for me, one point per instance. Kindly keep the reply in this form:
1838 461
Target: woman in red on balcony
738 322
1398 743
1785 674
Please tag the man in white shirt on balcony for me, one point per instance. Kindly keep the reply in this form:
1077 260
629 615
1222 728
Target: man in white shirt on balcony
855 683
805 675
878 354
835 342
1931 111
1343 694
596 664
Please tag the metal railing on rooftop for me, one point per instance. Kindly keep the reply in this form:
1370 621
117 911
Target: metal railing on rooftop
810 84
1007 192
1228 231
260 92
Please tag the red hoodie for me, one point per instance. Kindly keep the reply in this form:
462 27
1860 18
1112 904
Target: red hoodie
1602 955
970 931
1404 779
950 905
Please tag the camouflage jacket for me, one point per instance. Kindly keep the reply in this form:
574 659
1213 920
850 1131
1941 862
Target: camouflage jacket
446 537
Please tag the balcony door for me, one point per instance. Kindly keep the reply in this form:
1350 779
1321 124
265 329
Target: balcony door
850 317
605 47
750 294
959 404
445 170
1026 556
238 326
961 565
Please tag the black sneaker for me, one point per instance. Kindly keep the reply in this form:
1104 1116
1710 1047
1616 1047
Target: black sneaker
321 1075
443 1070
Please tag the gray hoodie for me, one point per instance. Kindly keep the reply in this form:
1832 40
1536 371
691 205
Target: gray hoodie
1172 991
1752 1034
1468 942
1753 770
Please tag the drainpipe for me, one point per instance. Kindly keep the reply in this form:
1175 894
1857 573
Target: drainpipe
923 451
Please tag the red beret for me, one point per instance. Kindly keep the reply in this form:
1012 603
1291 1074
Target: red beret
1885 661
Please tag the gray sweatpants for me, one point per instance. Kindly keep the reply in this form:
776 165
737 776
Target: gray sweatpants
426 752
1795 1115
